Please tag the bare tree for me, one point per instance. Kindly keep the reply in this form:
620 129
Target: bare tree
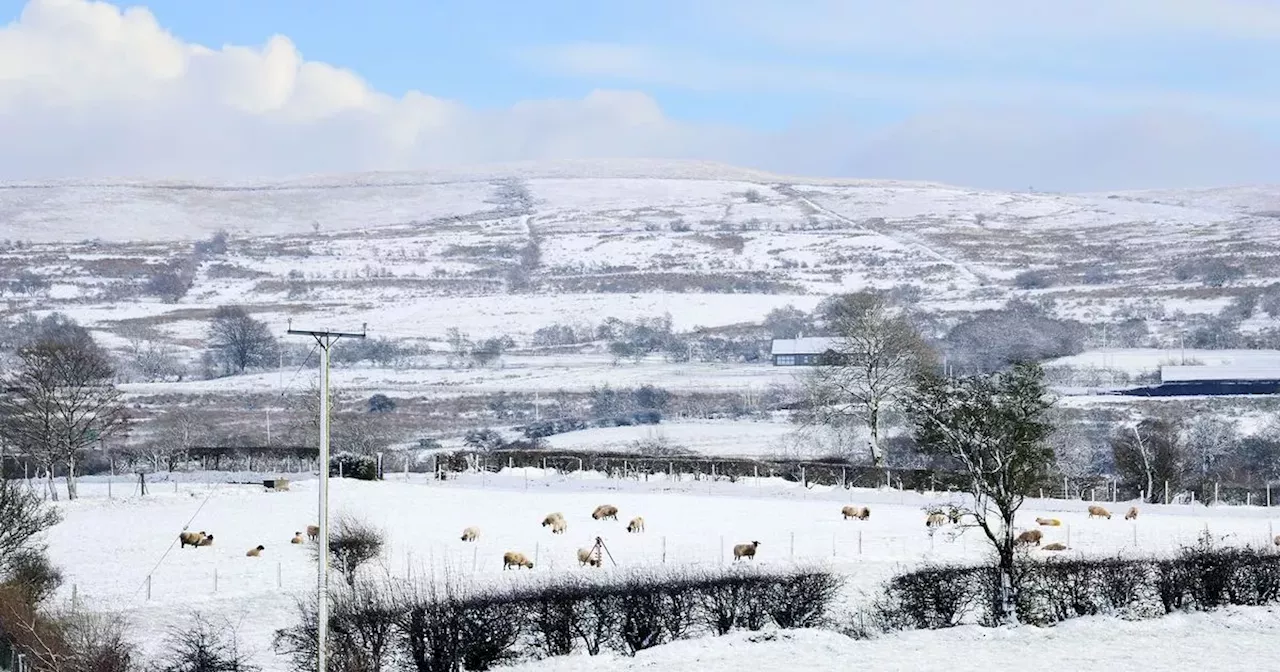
23 517
878 356
1209 438
994 429
352 544
239 341
60 401
1077 454
1152 452
176 431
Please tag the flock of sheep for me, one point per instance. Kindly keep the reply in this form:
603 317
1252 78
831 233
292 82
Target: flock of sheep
201 538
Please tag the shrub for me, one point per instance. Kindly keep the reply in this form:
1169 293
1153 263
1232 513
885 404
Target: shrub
204 647
352 543
350 465
1034 279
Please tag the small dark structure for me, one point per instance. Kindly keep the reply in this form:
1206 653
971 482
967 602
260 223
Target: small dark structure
1189 381
810 351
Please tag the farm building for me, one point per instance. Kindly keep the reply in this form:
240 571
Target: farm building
810 351
1212 380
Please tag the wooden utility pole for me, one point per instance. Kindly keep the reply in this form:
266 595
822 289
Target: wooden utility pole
324 340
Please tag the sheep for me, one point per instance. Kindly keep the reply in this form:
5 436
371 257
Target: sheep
859 512
935 520
636 525
587 557
297 538
514 559
255 552
1096 511
1132 514
741 551
471 534
1277 540
559 526
191 539
313 532
955 515
551 518
1048 522
1029 537
207 541
605 512
1055 546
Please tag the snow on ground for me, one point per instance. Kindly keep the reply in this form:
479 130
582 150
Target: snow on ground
1241 636
711 437
689 523
575 373
1145 360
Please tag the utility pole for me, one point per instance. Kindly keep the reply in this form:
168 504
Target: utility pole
324 339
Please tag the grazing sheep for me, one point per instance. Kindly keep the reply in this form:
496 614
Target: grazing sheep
1048 522
1055 546
935 520
552 518
255 552
207 541
605 512
191 539
586 557
559 526
514 559
1029 537
1132 514
1277 540
741 551
471 534
859 512
313 532
636 525
955 515
1096 511
297 538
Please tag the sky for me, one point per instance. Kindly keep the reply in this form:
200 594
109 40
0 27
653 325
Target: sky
1008 94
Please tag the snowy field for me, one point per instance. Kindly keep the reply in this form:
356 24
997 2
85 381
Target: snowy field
689 523
1242 636
711 437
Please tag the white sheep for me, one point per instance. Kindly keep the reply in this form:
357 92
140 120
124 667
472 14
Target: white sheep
586 556
514 559
255 552
636 525
605 512
857 512
471 534
191 539
745 551
297 538
551 519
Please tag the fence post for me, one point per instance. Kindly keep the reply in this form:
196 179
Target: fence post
793 545
1268 495
1068 536
844 479
148 586
722 550
1215 493
1093 494
215 579
75 593
1041 491
859 542
1064 488
279 578
475 558
1135 535
833 544
1248 498
536 548
1166 492
664 549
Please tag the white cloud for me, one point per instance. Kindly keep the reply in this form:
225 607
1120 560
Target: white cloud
90 90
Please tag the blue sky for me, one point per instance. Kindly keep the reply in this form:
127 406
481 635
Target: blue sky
829 86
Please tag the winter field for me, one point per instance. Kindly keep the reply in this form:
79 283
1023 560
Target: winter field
108 546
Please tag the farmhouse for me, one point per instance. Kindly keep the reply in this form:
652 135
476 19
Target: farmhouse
1185 380
810 351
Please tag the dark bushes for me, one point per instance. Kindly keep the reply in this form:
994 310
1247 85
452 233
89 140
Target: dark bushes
446 627
351 465
1197 578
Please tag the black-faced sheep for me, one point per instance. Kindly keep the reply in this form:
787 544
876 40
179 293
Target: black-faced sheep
191 539
1029 537
858 512
934 520
1048 522
471 534
207 541
1096 511
514 559
741 551
1132 514
297 538
605 512
255 552
636 525
551 519
586 556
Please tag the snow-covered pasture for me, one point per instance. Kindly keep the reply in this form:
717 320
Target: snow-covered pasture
108 547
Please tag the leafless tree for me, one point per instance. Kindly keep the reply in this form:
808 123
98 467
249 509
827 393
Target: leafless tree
239 341
352 544
879 355
23 517
1211 437
994 429
60 401
1151 452
1076 453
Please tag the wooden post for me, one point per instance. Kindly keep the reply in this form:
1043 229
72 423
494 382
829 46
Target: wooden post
1068 536
722 550
1268 495
1215 493
1166 492
1248 498
664 550
215 579
279 578
148 586
833 544
793 545
859 542
1064 488
536 548
475 559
